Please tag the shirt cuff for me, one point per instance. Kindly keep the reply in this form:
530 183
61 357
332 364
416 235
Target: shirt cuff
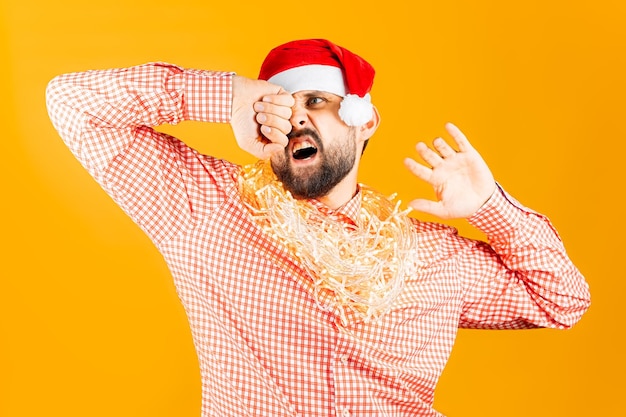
208 95
499 214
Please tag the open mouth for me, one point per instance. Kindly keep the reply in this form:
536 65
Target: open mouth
303 150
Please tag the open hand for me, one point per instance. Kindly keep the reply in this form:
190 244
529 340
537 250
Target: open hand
260 116
461 179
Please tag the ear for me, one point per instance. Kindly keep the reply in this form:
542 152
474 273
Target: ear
367 130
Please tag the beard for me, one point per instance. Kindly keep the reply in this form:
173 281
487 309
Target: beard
335 161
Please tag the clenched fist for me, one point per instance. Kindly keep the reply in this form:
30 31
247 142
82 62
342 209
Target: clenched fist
260 116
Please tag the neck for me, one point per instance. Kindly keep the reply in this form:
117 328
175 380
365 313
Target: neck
342 193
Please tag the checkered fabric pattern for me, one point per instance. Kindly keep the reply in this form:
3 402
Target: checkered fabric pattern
266 347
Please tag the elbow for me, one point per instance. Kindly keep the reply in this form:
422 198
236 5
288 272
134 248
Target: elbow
63 105
584 307
567 316
568 303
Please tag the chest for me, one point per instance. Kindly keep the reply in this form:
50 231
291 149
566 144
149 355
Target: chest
235 273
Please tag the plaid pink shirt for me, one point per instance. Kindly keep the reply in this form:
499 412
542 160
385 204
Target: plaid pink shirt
264 344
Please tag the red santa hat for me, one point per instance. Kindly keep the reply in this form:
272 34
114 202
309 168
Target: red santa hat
318 64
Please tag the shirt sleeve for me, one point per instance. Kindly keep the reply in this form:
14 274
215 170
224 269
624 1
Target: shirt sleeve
523 278
107 119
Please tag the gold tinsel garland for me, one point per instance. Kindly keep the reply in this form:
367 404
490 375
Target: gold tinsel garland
359 269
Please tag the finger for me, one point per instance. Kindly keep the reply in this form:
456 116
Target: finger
258 150
275 122
459 137
270 148
265 150
283 112
417 169
274 136
428 155
429 207
283 98
443 148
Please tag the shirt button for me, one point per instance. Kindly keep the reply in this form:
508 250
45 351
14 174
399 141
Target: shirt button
345 412
344 359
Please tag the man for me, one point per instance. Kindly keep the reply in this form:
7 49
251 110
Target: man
308 293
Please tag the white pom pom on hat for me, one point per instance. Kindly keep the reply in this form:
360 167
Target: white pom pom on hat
318 64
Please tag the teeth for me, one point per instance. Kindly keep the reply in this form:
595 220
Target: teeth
302 145
303 150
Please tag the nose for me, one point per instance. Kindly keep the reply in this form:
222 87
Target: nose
299 116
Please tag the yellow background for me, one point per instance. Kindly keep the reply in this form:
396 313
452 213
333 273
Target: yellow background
90 324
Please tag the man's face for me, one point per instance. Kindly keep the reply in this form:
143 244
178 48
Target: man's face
322 149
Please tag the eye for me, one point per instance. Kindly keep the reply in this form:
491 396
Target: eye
315 101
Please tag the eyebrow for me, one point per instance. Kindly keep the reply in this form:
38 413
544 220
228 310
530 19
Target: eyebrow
318 93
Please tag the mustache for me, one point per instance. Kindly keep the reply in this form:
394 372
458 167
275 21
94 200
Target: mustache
303 132
306 132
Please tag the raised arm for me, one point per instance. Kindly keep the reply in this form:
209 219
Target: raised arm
122 100
106 118
99 113
523 276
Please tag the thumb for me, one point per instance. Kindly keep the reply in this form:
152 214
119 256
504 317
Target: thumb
270 148
427 206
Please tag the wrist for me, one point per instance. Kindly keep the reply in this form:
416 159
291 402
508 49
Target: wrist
208 95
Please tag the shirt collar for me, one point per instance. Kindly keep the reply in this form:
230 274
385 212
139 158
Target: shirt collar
348 213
